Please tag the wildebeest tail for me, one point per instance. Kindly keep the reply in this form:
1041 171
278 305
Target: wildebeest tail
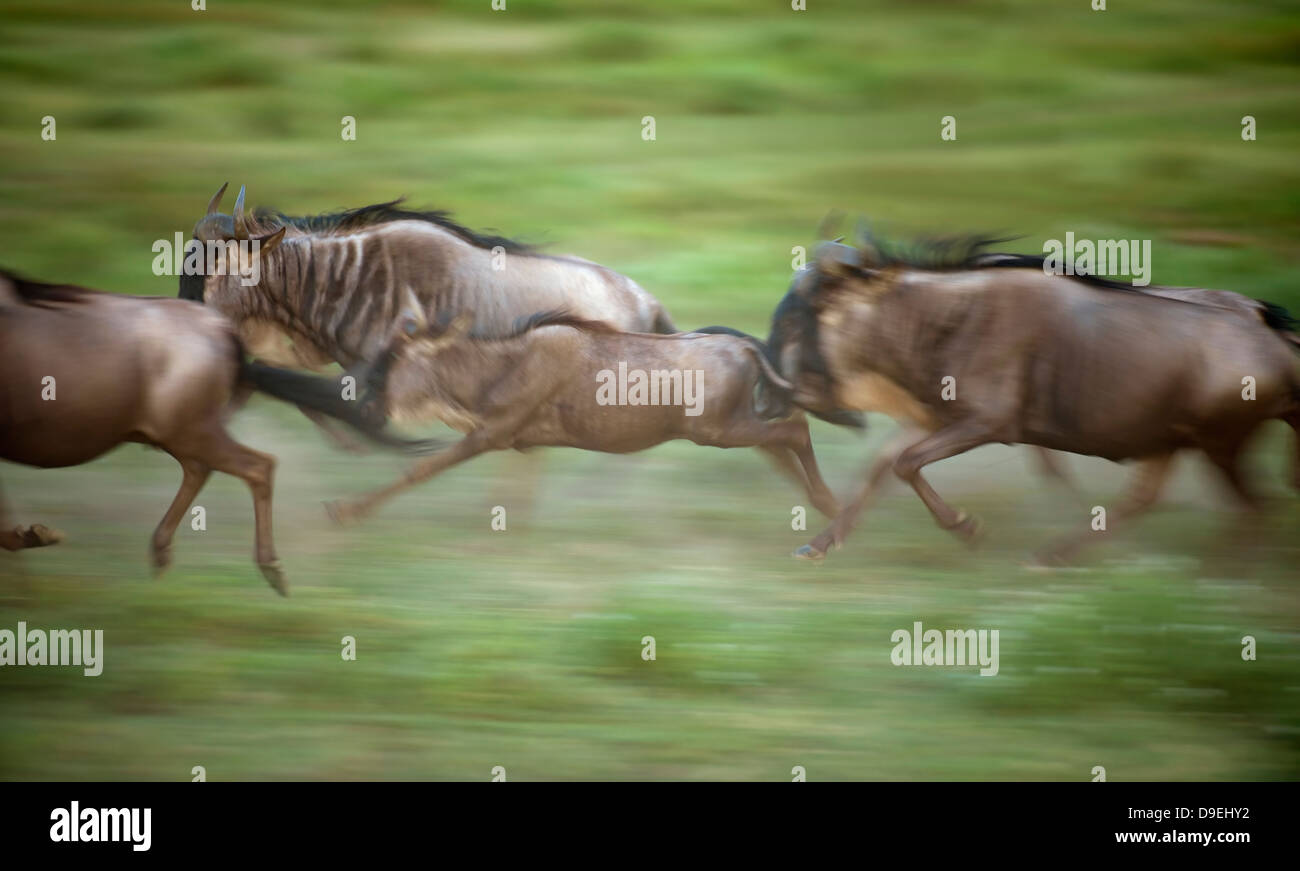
763 354
325 395
759 348
1282 322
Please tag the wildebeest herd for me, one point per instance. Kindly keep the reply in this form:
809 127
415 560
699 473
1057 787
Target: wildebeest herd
515 348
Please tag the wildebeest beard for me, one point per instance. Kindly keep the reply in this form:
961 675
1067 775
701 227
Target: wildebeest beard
795 323
191 286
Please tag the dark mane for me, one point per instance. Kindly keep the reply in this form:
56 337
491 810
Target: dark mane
1278 318
952 253
39 293
352 220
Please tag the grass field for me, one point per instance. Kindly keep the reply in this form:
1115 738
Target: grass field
522 648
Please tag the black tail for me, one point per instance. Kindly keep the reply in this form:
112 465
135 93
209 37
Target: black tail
839 417
1282 321
325 395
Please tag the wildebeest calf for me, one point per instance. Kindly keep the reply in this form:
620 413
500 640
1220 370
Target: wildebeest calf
560 381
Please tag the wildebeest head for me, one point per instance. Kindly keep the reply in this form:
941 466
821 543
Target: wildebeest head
794 338
417 339
411 351
228 247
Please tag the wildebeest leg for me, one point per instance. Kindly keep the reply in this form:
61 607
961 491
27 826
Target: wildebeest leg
195 476
788 462
779 440
1293 421
507 409
1240 537
470 446
801 443
1148 481
217 450
947 442
785 462
1228 461
1050 465
837 532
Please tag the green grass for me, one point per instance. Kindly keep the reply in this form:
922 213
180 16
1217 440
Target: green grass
522 648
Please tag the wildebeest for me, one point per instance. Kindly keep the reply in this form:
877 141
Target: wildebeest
793 317
968 348
334 289
85 371
551 382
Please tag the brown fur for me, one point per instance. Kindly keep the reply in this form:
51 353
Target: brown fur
1040 360
337 286
160 372
537 386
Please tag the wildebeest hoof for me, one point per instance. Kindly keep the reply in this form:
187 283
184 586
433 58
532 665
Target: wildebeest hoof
39 536
274 575
968 527
162 560
809 554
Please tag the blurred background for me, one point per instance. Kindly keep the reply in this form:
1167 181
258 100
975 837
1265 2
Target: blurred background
522 648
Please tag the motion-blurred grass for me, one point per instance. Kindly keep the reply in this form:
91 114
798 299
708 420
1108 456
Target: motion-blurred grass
522 648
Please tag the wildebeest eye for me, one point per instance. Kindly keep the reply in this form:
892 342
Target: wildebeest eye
410 327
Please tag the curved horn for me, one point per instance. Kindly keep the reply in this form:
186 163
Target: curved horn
215 202
241 228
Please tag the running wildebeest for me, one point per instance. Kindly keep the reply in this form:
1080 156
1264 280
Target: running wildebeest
85 371
1078 364
791 317
561 381
334 289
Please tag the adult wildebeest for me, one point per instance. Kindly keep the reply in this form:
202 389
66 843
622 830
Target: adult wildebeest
968 348
561 381
792 316
335 287
85 371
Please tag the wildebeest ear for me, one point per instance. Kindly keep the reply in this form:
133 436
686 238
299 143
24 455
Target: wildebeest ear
836 259
268 243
